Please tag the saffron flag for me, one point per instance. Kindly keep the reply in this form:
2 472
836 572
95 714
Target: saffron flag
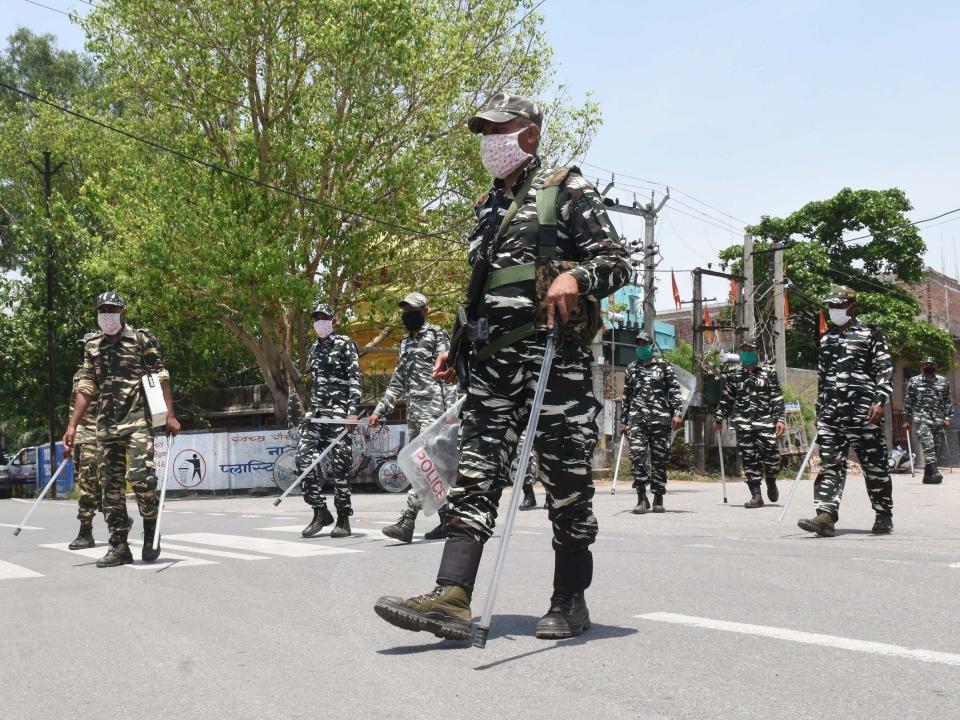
823 323
734 291
707 322
786 309
676 290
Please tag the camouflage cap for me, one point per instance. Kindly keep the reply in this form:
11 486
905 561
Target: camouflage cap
839 295
323 309
644 336
110 298
502 108
749 341
929 360
414 301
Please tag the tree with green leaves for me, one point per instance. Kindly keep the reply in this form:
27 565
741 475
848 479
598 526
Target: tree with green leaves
341 125
859 238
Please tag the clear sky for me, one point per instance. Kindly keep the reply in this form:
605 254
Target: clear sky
752 107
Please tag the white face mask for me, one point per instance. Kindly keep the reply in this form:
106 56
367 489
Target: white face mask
323 327
502 154
110 323
838 316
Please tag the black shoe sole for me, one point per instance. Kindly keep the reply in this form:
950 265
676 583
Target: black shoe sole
561 633
82 546
749 506
658 509
340 534
394 534
435 534
810 527
641 511
528 507
407 619
932 482
116 564
884 531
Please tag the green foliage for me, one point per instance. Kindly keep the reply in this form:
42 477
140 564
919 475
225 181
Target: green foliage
681 356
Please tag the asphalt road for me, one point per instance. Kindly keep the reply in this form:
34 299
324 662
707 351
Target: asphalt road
706 611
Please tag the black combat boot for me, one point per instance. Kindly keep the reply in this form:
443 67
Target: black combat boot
883 524
931 475
568 615
658 503
321 517
402 530
529 501
147 553
119 552
441 530
342 528
445 611
84 538
773 493
755 501
643 505
823 525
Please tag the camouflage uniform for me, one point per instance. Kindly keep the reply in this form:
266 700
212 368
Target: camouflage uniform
85 469
651 399
854 370
752 403
335 394
427 399
503 384
124 432
927 405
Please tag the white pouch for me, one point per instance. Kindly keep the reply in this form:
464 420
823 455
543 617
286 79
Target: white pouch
430 461
154 397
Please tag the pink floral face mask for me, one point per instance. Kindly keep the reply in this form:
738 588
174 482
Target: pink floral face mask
502 154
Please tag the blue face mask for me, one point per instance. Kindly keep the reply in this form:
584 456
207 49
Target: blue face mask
748 357
644 352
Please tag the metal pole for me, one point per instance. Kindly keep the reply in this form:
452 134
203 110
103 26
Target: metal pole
723 474
649 287
796 481
780 328
699 459
749 319
50 484
616 467
483 628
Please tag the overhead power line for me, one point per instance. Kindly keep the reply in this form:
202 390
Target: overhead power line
913 222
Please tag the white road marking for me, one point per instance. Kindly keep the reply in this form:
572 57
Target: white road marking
182 512
703 545
834 641
526 532
249 516
267 546
299 528
9 571
164 546
165 559
216 514
25 527
955 565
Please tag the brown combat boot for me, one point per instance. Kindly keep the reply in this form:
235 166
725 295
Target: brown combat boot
823 525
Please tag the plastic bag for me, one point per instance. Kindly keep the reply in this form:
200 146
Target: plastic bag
430 461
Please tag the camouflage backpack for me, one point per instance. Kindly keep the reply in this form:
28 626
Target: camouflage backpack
584 321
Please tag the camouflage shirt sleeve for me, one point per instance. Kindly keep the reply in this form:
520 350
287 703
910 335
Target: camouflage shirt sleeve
604 264
909 399
152 359
629 388
396 388
947 401
726 400
882 365
352 370
675 400
777 405
87 379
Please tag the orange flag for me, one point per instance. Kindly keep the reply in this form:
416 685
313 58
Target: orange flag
734 291
708 322
823 323
786 309
676 290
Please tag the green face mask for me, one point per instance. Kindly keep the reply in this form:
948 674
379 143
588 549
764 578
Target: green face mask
644 352
748 357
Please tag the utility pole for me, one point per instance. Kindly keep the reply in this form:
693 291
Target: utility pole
780 328
749 320
699 454
47 172
649 214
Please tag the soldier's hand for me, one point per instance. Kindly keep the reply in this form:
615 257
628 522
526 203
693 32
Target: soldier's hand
173 425
875 414
68 440
718 425
351 418
373 420
676 423
779 428
562 297
906 424
441 371
623 429
946 423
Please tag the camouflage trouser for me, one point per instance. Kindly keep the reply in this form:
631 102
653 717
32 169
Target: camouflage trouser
759 455
87 475
122 459
933 438
871 448
314 439
496 410
655 440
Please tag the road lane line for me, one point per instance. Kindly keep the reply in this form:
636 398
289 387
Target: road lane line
268 546
833 641
164 546
9 571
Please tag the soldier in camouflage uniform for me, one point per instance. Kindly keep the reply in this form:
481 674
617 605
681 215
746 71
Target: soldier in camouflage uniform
652 409
752 403
518 306
929 407
854 371
334 395
427 397
85 469
114 362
